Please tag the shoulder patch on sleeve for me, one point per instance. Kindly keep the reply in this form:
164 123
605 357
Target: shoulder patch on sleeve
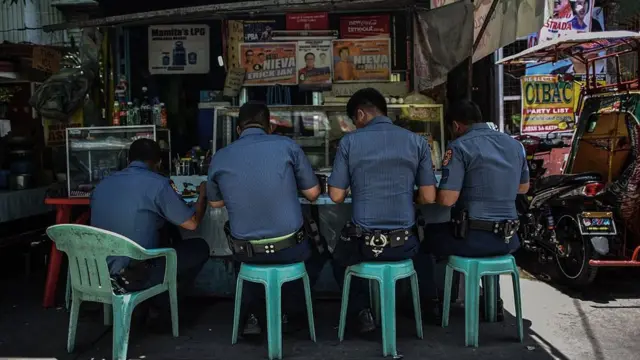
174 187
447 157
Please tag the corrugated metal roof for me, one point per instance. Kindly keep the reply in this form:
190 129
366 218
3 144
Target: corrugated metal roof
15 21
233 8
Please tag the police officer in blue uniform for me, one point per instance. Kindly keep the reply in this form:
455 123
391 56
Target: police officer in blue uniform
381 164
483 171
257 178
137 202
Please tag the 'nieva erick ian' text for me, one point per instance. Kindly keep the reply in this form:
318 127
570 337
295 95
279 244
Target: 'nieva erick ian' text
371 62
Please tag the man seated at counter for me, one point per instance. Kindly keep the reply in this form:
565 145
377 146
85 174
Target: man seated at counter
137 202
257 179
482 172
381 163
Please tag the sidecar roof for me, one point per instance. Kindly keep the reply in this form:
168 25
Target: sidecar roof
575 45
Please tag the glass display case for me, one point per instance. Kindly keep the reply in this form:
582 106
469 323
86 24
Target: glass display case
95 152
319 128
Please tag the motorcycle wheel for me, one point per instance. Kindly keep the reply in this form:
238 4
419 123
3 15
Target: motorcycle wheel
574 270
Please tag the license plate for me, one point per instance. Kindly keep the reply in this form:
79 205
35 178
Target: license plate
597 223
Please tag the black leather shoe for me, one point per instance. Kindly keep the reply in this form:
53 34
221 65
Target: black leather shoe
500 311
432 312
366 323
251 326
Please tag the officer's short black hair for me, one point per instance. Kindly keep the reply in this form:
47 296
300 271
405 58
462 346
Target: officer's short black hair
254 114
366 99
145 150
463 111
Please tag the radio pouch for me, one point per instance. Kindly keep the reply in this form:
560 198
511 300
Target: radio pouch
460 224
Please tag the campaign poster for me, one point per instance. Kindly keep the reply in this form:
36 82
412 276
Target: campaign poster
258 30
269 63
179 49
314 65
567 17
308 21
361 60
565 22
548 104
356 27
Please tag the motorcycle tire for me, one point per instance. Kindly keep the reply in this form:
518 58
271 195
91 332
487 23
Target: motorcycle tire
586 273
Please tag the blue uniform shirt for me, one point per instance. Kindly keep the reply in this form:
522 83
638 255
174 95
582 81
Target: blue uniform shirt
382 163
487 167
258 177
135 203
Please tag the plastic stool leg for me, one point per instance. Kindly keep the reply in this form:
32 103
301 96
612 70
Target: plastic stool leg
73 323
307 296
67 292
415 292
490 301
236 312
345 305
121 326
173 303
471 307
274 319
516 295
388 313
107 314
374 299
448 283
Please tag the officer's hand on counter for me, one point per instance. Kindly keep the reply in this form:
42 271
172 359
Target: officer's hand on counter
200 208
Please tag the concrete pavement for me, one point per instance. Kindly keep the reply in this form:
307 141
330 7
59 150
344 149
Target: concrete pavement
557 326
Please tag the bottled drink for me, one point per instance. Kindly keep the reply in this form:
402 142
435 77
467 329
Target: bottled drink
145 109
132 118
116 114
123 114
155 112
163 116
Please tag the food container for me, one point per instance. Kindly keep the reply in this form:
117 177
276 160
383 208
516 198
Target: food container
20 181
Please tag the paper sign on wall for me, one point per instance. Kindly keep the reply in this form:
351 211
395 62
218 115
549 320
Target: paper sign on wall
361 60
353 27
233 82
45 59
179 49
314 65
269 63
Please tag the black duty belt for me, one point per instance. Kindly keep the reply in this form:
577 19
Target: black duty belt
250 248
377 239
505 229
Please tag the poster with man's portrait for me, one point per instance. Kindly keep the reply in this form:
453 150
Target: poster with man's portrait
314 65
569 17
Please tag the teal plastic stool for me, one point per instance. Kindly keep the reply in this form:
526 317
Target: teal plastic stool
272 277
383 297
474 269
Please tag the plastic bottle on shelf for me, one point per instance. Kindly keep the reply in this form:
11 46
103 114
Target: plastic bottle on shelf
132 117
145 109
163 115
116 114
124 116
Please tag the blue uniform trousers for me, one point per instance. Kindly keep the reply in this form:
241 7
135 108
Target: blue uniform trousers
191 255
440 242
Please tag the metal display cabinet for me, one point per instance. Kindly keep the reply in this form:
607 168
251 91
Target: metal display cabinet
95 152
